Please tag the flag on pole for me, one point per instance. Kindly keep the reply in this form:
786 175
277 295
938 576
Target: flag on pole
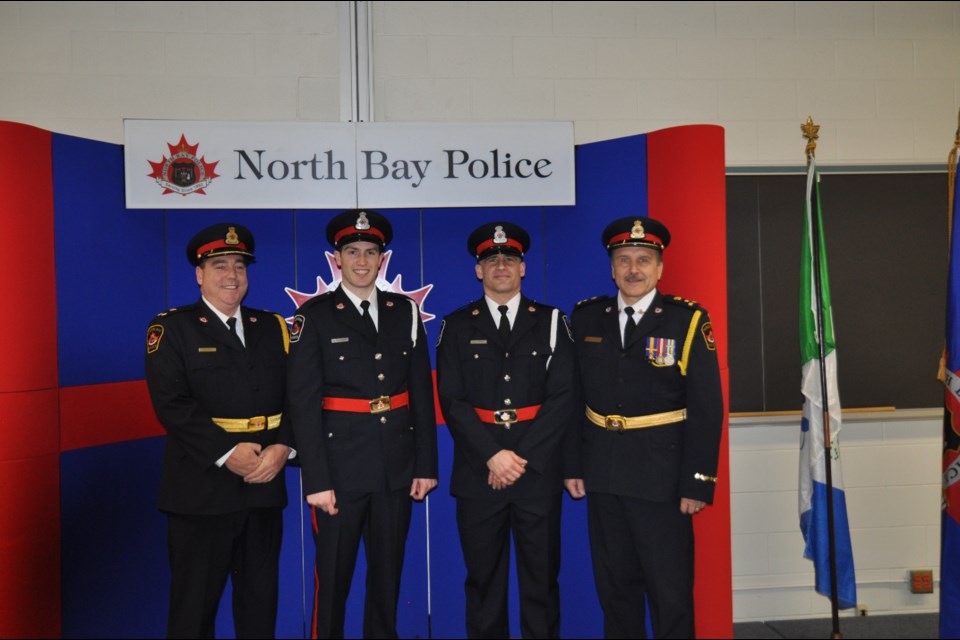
950 519
813 487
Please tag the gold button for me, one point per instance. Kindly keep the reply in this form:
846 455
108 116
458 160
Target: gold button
381 377
508 402
378 356
534 353
476 356
341 357
329 435
507 377
383 419
506 355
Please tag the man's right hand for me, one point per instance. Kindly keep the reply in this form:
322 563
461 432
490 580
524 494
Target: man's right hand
506 467
244 459
575 487
326 501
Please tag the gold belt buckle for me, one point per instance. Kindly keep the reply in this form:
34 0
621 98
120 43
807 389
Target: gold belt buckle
505 416
257 423
615 423
380 405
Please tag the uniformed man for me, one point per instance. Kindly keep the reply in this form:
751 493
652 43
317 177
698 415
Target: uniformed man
361 401
216 373
649 437
505 370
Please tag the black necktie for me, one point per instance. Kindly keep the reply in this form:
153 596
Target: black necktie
365 305
504 322
630 327
232 324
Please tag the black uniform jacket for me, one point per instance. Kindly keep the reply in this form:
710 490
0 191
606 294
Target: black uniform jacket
335 355
196 370
475 369
661 463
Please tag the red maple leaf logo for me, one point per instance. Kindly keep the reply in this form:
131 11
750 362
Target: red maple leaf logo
417 295
183 172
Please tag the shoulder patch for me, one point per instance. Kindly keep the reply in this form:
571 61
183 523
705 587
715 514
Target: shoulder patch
707 330
154 336
296 328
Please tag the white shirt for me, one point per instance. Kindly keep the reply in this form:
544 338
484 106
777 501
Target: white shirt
639 308
356 300
512 307
224 317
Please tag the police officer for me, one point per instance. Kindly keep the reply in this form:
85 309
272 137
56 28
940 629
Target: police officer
505 370
361 400
649 435
216 372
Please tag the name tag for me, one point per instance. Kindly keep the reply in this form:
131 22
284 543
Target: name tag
478 342
337 340
207 349
593 339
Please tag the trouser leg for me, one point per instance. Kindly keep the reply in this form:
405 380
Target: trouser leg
484 526
536 534
385 539
255 574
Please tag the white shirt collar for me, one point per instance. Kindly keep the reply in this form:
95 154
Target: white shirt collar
356 300
512 306
640 306
224 317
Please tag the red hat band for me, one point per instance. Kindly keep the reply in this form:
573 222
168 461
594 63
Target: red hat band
373 231
483 246
220 244
649 238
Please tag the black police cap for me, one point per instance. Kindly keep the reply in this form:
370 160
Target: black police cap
227 238
636 231
498 237
359 224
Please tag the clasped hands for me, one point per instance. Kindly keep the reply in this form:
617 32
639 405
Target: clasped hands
505 467
256 464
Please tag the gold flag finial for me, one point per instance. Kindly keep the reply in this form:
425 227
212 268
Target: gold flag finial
810 132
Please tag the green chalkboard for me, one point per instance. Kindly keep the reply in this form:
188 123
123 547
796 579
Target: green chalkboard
886 236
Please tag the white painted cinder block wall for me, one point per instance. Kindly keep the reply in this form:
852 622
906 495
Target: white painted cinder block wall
882 78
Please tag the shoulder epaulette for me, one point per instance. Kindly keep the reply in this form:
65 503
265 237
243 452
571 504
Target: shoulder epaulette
589 301
175 310
316 298
683 302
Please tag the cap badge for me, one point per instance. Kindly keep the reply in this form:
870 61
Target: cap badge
637 232
232 237
499 235
362 222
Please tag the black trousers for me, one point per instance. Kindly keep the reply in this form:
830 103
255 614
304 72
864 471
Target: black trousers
642 549
203 551
485 526
382 521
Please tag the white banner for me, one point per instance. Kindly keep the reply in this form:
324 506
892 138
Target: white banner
174 164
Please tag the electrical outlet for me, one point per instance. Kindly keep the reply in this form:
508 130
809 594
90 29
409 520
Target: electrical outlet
861 610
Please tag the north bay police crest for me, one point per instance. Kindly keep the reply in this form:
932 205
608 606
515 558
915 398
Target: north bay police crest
184 172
